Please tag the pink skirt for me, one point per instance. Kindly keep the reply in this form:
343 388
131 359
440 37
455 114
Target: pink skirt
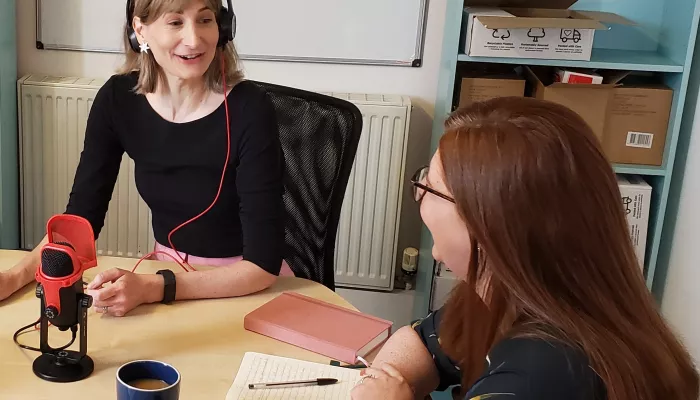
214 262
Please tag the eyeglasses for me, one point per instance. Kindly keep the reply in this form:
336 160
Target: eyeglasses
419 188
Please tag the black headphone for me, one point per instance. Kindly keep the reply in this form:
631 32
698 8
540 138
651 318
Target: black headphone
226 19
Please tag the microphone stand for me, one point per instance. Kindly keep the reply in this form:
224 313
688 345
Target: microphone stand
61 365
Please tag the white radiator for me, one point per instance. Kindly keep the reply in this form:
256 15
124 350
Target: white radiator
53 113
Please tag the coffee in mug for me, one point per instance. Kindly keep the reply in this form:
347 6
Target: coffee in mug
148 380
148 384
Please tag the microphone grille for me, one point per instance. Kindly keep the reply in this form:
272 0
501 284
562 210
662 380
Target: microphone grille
55 263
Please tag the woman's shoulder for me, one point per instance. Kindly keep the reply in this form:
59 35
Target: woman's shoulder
250 94
537 368
118 87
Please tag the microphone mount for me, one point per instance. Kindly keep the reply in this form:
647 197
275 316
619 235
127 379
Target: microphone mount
62 365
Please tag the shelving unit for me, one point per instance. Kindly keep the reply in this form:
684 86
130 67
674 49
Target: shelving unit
663 41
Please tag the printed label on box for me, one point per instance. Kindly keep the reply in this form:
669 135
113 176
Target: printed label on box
568 43
640 139
636 198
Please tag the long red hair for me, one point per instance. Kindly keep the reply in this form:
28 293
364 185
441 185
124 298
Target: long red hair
554 257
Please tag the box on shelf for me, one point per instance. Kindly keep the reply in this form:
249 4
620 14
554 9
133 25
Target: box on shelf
577 76
444 283
519 29
480 88
589 101
636 201
637 124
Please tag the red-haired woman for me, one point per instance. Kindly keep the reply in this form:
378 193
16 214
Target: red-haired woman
524 206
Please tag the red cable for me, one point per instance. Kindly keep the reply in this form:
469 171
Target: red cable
221 184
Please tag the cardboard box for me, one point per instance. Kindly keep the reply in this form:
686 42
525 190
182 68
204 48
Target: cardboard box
636 201
475 89
444 283
589 101
637 124
517 29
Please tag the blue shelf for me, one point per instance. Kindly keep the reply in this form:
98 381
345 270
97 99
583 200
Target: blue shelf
649 170
628 60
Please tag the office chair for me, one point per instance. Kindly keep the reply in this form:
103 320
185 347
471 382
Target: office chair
319 136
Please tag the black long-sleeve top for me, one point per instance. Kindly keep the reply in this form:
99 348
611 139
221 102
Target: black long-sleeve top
178 168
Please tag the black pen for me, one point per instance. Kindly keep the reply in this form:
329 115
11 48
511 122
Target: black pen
312 382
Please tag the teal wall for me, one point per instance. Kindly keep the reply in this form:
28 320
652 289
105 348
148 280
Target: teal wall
9 166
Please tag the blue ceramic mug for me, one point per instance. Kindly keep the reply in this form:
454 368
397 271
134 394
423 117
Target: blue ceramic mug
148 380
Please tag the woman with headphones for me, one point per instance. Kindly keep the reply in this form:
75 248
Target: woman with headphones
208 161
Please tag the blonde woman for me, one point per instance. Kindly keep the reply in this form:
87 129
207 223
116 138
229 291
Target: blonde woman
181 110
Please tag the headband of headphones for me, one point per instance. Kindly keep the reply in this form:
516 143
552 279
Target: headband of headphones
225 18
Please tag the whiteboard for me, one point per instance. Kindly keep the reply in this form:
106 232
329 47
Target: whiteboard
385 32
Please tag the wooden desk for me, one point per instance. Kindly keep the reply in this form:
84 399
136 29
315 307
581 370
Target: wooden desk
203 339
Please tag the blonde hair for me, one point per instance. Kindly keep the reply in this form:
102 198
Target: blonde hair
150 72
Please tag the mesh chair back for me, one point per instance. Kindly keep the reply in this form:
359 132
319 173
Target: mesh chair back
319 136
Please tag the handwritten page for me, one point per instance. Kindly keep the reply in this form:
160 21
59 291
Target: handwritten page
263 368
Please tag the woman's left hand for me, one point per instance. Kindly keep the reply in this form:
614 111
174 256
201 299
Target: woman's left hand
126 291
384 383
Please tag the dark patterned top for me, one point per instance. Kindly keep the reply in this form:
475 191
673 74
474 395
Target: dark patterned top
518 368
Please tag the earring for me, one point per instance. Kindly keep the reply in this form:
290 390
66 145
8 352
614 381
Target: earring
144 47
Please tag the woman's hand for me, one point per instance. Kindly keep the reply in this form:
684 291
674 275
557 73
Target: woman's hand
126 291
385 383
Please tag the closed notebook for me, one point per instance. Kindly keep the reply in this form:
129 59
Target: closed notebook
333 331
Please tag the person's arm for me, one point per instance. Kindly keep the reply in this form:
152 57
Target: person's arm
260 186
92 188
22 273
415 351
407 353
128 290
239 279
99 163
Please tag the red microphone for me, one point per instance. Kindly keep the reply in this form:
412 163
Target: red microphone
68 254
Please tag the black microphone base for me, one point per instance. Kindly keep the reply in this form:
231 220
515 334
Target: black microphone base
68 366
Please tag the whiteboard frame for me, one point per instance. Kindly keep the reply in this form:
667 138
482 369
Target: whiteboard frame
416 62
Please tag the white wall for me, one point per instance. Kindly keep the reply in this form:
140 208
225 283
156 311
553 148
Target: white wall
681 297
420 83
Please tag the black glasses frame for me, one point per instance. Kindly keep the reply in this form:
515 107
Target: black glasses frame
418 185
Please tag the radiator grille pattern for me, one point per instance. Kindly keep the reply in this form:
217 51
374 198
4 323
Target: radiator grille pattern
53 115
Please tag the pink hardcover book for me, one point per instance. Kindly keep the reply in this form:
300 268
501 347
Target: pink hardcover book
317 326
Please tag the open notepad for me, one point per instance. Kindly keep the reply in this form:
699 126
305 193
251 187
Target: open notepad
257 368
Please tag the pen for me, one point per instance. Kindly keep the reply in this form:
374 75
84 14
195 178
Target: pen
312 382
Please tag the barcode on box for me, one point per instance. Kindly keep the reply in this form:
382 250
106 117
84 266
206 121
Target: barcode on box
639 139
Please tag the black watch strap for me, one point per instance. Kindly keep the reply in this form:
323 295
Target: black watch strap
169 287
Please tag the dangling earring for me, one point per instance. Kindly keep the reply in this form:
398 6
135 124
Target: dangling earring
144 47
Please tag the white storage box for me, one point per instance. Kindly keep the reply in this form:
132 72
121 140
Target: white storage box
528 32
636 201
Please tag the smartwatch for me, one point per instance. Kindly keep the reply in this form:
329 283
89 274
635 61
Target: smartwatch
169 287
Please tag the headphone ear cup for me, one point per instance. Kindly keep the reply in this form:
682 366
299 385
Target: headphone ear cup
131 34
227 26
133 41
